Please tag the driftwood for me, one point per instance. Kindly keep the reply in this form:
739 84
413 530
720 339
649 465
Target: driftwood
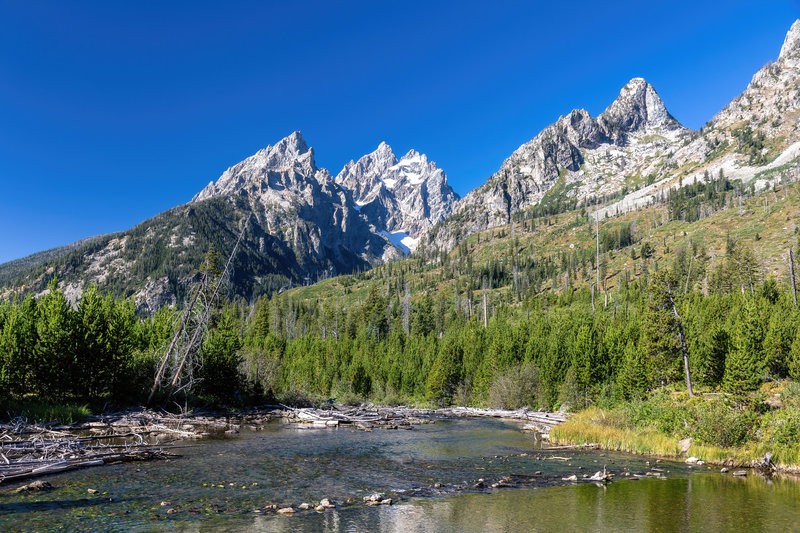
367 416
33 450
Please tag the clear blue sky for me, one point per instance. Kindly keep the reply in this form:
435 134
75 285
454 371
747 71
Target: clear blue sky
111 112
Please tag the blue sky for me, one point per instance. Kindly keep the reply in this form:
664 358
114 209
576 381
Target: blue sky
111 112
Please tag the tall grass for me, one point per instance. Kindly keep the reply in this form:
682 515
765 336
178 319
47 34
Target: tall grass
607 430
40 411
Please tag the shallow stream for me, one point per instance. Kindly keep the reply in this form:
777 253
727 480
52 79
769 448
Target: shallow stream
430 472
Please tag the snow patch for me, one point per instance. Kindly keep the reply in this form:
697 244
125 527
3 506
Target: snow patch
390 182
401 240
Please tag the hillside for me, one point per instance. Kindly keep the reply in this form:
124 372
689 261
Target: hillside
299 226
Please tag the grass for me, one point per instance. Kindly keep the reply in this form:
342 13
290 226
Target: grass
775 227
41 411
610 430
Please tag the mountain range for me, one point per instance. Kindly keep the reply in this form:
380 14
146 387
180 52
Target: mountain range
301 224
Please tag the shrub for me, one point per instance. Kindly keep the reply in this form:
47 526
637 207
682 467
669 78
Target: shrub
717 424
515 387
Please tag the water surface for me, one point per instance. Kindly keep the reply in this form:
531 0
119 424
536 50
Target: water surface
432 471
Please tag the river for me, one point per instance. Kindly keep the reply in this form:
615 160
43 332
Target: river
430 472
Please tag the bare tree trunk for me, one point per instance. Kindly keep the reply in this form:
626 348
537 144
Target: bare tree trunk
597 240
407 310
684 347
791 273
165 358
485 311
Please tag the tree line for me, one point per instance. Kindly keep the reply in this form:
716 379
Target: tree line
457 345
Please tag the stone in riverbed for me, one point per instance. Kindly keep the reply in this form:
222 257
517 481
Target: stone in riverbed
740 473
287 510
304 506
92 491
723 470
327 503
573 477
374 497
35 486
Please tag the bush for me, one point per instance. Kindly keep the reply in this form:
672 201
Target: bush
782 427
515 387
660 411
717 424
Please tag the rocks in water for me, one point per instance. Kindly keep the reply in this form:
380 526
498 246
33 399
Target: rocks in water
35 486
724 470
601 476
765 465
304 506
165 504
92 491
327 503
287 510
319 508
377 497
573 477
740 473
694 461
479 484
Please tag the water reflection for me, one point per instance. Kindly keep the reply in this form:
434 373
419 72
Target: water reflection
704 502
218 485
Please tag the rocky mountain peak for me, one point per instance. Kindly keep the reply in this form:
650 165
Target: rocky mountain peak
401 198
286 153
289 154
792 42
638 108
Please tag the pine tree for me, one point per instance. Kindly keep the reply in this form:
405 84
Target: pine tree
745 364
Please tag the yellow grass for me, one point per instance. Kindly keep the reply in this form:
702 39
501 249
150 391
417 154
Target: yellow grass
595 426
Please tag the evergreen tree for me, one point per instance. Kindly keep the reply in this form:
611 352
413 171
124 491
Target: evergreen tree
744 365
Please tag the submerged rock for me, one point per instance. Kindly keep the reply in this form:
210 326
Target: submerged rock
35 486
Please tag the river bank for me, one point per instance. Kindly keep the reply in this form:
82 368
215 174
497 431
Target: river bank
613 429
41 449
240 481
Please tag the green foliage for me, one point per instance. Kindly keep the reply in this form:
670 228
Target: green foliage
515 387
219 377
744 365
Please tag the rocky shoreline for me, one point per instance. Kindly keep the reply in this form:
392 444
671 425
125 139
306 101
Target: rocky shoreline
34 450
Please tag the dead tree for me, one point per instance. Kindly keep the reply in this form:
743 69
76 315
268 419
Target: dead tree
791 273
181 359
682 338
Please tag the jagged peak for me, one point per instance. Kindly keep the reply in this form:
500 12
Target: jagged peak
792 41
413 155
638 106
291 146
